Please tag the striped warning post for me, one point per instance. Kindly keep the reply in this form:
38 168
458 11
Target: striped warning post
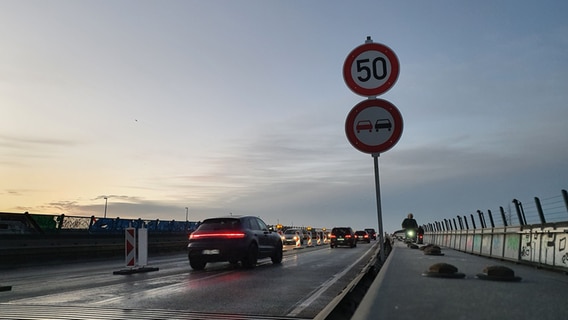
298 242
130 245
136 252
310 243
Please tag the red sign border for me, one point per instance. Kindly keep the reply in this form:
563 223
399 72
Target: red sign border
350 124
373 46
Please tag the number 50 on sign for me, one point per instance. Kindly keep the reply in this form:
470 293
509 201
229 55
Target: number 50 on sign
371 69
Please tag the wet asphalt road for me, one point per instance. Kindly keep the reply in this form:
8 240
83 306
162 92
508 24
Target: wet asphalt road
306 282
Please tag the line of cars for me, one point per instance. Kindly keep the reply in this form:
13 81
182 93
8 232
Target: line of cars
345 236
245 239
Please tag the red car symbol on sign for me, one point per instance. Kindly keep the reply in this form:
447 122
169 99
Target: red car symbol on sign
364 125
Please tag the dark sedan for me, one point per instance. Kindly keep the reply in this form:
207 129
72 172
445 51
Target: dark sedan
233 239
362 236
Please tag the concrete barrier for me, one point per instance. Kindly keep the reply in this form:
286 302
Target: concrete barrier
540 245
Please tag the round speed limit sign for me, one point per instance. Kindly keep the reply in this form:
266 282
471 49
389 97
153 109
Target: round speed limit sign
371 69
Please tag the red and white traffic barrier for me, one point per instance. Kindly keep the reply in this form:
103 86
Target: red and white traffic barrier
130 246
136 251
310 243
298 242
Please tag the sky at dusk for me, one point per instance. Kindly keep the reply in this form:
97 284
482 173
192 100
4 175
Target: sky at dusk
240 107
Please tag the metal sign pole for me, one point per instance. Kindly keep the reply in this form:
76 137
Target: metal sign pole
379 212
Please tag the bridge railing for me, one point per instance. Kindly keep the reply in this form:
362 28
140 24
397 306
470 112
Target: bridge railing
539 235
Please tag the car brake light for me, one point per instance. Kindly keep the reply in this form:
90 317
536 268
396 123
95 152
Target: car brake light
347 236
333 236
217 234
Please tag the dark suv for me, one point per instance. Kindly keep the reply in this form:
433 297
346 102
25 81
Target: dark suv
342 236
233 239
372 233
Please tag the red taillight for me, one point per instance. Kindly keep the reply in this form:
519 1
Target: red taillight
420 236
347 236
217 234
333 236
366 236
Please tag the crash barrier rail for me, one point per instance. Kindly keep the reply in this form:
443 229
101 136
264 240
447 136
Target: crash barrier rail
23 249
18 223
540 237
28 238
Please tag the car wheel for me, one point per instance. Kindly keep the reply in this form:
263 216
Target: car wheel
197 263
249 261
277 257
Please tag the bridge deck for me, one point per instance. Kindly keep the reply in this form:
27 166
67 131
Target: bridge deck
402 291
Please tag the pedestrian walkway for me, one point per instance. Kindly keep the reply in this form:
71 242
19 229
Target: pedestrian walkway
405 288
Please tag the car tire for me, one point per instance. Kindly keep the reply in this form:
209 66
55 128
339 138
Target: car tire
249 261
197 263
277 257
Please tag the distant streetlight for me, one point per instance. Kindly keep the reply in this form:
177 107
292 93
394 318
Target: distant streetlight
186 213
106 201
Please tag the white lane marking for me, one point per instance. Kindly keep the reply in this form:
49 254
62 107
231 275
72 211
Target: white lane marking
324 286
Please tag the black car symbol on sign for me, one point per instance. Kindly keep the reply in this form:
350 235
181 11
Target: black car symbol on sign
383 124
364 125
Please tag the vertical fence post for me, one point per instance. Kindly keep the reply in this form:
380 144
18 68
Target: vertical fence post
503 216
60 221
565 196
465 220
539 209
491 218
460 222
93 219
473 221
519 215
481 219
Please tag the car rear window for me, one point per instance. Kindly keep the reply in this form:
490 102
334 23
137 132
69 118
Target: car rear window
340 231
290 231
220 224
